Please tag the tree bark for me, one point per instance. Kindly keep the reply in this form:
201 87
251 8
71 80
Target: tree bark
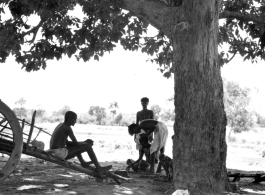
199 146
199 149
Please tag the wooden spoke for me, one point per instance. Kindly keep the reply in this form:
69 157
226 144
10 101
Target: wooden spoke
14 158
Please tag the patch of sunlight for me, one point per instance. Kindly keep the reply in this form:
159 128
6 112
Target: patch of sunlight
58 190
31 179
253 191
53 191
73 173
61 192
61 185
26 187
70 192
65 175
122 190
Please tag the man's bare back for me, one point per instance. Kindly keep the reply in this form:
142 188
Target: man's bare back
60 135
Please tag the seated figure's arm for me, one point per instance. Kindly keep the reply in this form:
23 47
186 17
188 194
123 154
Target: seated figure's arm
141 154
73 138
69 143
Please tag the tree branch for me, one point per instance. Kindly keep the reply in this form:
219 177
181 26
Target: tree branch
34 30
231 57
241 16
152 11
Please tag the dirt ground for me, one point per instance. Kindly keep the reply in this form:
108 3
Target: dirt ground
113 146
43 178
54 179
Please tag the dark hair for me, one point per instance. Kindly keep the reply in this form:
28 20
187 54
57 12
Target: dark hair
144 99
69 115
131 128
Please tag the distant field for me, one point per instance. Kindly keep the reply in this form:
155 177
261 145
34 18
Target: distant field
113 143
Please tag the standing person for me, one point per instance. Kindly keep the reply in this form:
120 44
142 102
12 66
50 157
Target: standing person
65 149
143 115
160 137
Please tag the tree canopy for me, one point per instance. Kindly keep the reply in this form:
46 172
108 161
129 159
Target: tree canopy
106 23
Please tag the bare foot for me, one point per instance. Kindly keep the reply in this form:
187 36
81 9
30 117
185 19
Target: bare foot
104 169
87 165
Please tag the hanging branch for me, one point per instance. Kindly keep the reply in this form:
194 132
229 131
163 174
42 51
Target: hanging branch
34 30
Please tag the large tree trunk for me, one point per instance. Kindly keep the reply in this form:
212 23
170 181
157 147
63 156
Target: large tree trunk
199 146
199 149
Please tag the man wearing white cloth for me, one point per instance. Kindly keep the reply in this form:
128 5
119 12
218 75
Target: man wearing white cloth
160 137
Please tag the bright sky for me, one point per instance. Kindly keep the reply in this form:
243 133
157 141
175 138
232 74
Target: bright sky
121 76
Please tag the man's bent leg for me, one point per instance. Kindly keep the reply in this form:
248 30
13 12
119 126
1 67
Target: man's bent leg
94 159
76 151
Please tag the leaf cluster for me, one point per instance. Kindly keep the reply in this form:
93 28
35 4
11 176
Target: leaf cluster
105 24
243 29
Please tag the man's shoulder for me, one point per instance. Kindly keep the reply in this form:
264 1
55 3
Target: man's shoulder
64 127
145 111
151 111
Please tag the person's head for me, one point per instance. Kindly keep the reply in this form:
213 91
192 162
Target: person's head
70 118
144 101
133 129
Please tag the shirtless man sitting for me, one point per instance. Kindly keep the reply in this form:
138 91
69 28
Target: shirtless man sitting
65 149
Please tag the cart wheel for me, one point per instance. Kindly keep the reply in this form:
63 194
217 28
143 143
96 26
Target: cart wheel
17 134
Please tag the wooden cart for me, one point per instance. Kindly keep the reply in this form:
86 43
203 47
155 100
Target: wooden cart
14 142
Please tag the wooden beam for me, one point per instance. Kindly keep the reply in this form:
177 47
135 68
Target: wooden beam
31 127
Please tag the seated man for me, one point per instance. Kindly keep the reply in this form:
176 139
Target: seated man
160 137
65 149
140 163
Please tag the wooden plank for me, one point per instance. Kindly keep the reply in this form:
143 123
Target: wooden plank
35 152
31 127
38 153
39 128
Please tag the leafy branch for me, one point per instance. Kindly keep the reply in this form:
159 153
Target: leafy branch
34 30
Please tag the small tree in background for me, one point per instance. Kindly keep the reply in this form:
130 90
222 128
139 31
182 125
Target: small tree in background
236 101
21 112
63 110
113 108
99 112
157 110
40 112
118 119
58 116
260 120
168 115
